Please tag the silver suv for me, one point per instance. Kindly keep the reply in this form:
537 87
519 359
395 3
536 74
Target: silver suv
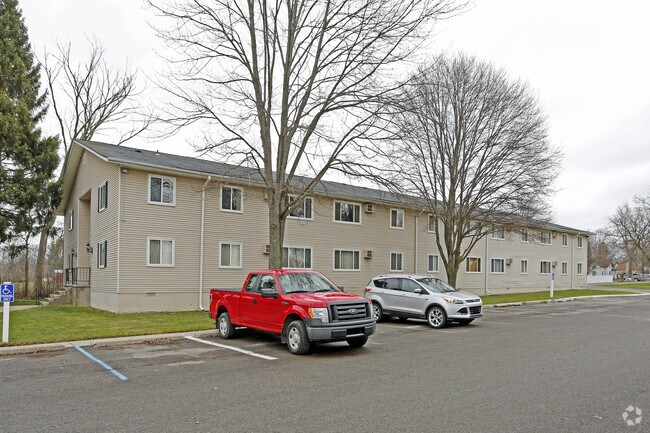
423 297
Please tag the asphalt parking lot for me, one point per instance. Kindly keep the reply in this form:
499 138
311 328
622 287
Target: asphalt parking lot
574 366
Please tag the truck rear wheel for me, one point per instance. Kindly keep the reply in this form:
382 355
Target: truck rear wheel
225 326
357 341
297 338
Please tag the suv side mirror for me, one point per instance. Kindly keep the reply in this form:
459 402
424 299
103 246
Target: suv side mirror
268 293
418 291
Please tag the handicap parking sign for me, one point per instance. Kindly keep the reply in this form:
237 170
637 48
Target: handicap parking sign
7 293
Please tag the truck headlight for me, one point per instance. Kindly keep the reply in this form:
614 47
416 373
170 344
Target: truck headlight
453 300
320 313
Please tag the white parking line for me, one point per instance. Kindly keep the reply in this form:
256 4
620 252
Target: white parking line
496 323
383 325
236 349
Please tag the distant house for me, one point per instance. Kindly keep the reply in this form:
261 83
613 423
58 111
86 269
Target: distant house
147 231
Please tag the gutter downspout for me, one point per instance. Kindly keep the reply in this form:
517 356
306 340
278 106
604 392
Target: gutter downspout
415 259
487 292
573 245
201 245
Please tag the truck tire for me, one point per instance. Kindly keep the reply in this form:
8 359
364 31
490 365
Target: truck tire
357 341
225 326
297 338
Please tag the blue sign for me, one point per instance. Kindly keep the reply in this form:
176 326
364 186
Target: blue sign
6 293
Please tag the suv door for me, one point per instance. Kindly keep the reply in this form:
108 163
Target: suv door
410 302
389 293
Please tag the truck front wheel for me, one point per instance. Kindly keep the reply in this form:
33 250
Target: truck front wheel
225 326
357 341
297 338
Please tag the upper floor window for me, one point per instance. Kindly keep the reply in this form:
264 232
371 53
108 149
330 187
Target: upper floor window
524 234
346 260
102 197
396 260
473 264
397 218
565 240
434 263
498 232
304 210
101 254
347 212
295 257
431 224
545 238
160 252
231 199
579 241
162 190
71 219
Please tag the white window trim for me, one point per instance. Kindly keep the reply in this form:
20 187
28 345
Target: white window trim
304 199
344 250
99 245
480 265
390 260
345 222
312 256
241 255
550 266
492 235
579 269
161 203
550 238
221 199
563 272
390 219
520 262
71 219
161 265
504 265
581 242
521 237
433 271
99 198
567 240
429 225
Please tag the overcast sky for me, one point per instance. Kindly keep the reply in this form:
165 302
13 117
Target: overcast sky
588 60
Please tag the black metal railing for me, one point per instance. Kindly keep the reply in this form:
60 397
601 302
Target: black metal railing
77 277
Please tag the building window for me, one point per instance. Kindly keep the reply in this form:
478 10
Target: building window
545 238
296 257
102 197
101 254
397 218
473 264
434 265
396 262
347 212
431 224
544 267
579 268
523 268
231 199
579 241
304 210
162 190
565 240
497 266
71 219
524 235
346 260
498 232
473 228
565 268
160 252
230 255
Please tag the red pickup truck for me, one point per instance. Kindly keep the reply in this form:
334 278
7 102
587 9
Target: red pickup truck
300 306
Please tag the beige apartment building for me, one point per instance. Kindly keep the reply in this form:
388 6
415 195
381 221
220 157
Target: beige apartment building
147 231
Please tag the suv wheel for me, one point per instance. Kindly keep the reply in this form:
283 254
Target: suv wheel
377 312
436 317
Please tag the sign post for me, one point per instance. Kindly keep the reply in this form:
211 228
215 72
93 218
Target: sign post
6 297
552 282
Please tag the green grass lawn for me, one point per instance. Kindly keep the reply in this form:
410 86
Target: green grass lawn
64 323
639 286
539 296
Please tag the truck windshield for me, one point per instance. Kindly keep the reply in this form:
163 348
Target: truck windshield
305 283
436 285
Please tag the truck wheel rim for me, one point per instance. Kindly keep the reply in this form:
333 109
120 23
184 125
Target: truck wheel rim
294 338
435 317
375 312
223 327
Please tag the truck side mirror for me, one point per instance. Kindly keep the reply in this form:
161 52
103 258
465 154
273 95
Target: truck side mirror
341 288
268 293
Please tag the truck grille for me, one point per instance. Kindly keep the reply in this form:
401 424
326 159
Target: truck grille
475 310
349 311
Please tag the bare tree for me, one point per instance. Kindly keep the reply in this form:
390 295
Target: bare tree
472 145
90 98
630 227
287 86
599 252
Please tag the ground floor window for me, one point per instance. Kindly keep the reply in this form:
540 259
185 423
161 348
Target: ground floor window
434 265
497 266
565 268
544 267
296 257
231 254
396 262
101 254
579 268
161 252
346 260
524 266
473 264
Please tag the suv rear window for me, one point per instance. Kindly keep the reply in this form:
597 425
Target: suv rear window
387 283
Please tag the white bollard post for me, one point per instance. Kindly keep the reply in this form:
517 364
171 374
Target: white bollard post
552 282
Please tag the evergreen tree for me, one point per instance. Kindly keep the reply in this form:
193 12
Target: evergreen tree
27 160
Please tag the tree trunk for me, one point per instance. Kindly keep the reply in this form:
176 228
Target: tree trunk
276 230
42 251
452 270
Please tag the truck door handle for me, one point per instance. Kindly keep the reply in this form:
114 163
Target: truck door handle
254 301
284 303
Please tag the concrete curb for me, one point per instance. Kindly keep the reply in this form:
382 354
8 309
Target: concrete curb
555 301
